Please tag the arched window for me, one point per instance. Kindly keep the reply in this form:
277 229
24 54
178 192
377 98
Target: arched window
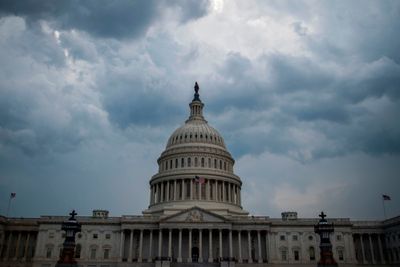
220 164
209 163
78 250
225 165
195 162
182 162
189 160
202 162
311 252
176 163
215 163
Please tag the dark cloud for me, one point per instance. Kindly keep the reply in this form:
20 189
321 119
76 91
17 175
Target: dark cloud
109 19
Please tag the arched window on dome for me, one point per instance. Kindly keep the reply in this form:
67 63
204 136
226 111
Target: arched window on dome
224 165
220 164
176 163
195 136
166 165
202 162
190 136
189 162
209 163
182 162
206 137
170 163
195 162
201 136
185 137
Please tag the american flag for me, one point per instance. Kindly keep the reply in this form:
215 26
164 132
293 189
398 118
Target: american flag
13 195
199 179
386 197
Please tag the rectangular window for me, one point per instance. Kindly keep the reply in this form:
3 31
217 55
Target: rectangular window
48 253
106 254
296 255
108 236
284 255
95 236
295 238
338 237
282 237
93 254
340 254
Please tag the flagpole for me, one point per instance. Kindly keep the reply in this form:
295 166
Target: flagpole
384 209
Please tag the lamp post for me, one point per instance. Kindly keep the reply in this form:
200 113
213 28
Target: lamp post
323 228
71 227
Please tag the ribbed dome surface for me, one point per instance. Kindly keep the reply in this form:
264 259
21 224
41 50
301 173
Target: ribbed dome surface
195 132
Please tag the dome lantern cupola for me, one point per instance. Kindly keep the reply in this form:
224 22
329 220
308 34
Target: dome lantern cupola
196 106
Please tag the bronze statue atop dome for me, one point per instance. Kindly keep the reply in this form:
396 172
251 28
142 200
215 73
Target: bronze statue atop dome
196 92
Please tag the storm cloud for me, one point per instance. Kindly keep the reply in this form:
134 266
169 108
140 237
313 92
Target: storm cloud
306 95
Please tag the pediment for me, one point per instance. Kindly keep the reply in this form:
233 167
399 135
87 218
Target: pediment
196 215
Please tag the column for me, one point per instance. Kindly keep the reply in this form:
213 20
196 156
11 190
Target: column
199 186
26 245
208 189
159 243
167 193
170 244
266 247
17 246
380 248
7 255
183 189
210 257
352 250
229 191
162 192
180 246
230 245
362 249
175 191
223 191
240 246
121 246
200 245
130 246
215 190
190 245
249 246
191 189
372 249
140 245
150 259
151 194
220 244
259 247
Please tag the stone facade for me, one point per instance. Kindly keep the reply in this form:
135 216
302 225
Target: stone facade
195 217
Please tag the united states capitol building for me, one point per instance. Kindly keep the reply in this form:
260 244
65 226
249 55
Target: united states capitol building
195 218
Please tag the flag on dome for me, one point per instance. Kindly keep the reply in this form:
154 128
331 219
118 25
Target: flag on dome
386 197
199 179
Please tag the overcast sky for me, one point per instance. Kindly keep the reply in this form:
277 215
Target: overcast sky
305 93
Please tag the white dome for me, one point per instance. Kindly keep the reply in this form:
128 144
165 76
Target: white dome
195 131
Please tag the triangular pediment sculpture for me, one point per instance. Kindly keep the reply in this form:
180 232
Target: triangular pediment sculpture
195 214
